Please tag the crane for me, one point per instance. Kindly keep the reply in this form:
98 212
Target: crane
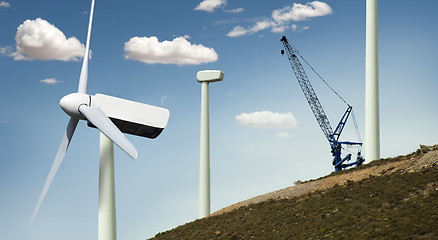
321 117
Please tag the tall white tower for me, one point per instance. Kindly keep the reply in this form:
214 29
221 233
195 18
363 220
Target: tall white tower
372 128
107 196
205 77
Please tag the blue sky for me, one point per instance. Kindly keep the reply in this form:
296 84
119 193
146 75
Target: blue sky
159 190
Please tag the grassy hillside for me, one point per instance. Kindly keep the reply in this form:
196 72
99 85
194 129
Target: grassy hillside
398 203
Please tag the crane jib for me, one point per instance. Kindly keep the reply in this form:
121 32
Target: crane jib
318 111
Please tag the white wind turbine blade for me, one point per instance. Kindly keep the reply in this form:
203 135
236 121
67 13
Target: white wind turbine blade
56 163
99 119
83 79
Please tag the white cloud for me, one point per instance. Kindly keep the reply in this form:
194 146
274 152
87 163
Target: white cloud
178 51
210 5
4 4
294 27
267 119
6 50
50 81
277 28
235 10
259 26
38 39
300 12
237 32
283 135
280 18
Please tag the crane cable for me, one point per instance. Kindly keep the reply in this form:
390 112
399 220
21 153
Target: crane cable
352 112
320 76
355 126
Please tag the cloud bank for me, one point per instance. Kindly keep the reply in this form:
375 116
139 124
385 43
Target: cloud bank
267 119
178 51
281 18
38 39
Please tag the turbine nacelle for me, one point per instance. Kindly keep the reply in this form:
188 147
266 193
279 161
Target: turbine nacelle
129 117
210 76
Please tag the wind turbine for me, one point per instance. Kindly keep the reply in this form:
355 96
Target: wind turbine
205 78
111 116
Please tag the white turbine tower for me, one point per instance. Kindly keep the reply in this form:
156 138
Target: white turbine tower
372 128
205 77
111 116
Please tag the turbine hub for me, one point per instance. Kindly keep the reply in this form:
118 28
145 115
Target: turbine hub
70 104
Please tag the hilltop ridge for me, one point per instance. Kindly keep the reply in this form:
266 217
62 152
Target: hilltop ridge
388 198
423 157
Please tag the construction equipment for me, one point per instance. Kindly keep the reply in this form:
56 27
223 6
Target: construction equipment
318 111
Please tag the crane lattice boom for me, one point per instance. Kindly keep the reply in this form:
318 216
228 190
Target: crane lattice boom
308 91
318 111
